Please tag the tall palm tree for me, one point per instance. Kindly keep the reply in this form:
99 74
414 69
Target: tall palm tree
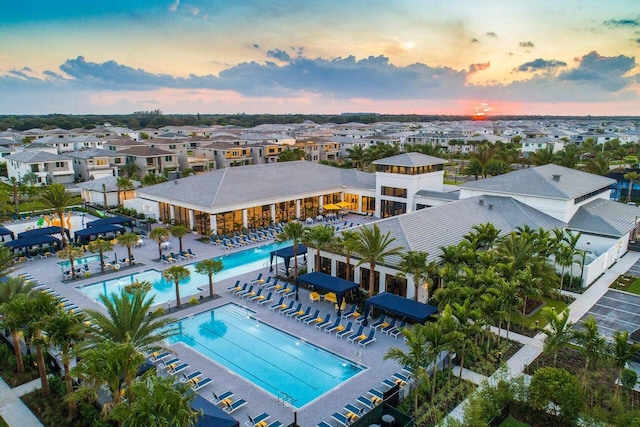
15 313
373 247
416 264
176 273
569 157
129 240
318 237
599 164
12 287
622 351
543 156
558 331
100 246
72 253
466 316
179 231
159 235
632 177
482 156
593 344
347 244
124 184
415 356
356 154
157 402
129 317
292 231
58 198
64 330
210 267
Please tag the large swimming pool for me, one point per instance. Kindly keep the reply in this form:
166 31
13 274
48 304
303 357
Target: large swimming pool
235 264
280 363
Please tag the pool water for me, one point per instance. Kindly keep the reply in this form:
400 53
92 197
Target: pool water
280 363
82 261
235 264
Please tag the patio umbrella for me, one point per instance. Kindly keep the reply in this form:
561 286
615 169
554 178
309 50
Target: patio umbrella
343 204
331 207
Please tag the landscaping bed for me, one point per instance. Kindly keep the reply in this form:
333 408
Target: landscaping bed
627 283
8 369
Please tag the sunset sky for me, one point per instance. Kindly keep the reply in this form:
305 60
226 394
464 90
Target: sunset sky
562 57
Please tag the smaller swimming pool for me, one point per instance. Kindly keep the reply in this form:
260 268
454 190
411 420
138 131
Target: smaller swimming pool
81 261
280 363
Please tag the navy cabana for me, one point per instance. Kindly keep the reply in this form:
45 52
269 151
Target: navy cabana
114 220
84 236
27 242
330 284
211 415
286 254
4 231
54 229
415 311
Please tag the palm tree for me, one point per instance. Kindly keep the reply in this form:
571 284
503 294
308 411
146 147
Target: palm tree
356 154
415 356
210 267
416 264
12 287
622 351
57 197
569 157
483 236
129 318
128 240
124 184
318 237
631 176
14 317
466 316
544 156
482 156
176 273
292 231
347 243
593 344
179 231
599 164
159 234
558 331
373 247
100 246
71 253
564 257
157 402
64 330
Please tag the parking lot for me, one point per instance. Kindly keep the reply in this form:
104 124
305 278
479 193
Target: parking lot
616 310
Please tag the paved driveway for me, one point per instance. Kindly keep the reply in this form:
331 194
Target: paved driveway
616 310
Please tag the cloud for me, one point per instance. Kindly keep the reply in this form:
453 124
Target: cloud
526 44
622 23
541 64
279 54
492 35
173 7
474 68
605 72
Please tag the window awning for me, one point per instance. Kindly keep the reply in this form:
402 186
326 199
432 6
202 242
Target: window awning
412 310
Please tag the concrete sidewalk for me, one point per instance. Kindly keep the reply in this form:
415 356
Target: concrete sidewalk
13 410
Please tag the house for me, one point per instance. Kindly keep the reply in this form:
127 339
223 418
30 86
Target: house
49 168
105 192
96 163
151 160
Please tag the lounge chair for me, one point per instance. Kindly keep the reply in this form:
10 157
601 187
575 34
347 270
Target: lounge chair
175 370
261 299
285 290
299 312
376 395
246 292
368 403
173 361
320 321
398 329
197 383
235 287
219 398
230 406
257 280
304 315
275 423
186 378
284 308
178 256
350 312
389 327
191 253
278 305
344 331
157 356
310 318
270 286
164 259
252 293
356 335
380 323
314 297
331 328
255 421
353 412
258 296
369 339
341 418
243 289
291 309
323 424
402 377
185 255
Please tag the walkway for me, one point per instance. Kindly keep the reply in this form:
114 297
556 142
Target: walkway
12 409
533 346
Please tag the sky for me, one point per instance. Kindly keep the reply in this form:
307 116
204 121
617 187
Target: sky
501 57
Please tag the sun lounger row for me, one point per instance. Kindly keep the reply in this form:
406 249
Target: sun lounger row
173 258
389 326
350 412
196 381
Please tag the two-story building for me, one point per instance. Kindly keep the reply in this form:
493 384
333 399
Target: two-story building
151 160
96 163
49 168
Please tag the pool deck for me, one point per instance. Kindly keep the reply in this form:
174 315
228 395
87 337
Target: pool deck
48 273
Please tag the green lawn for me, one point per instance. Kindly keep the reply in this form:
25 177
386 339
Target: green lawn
628 284
510 422
530 321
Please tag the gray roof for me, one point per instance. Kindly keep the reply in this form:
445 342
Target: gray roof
444 225
453 195
110 182
539 181
95 152
253 184
410 160
35 157
605 217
